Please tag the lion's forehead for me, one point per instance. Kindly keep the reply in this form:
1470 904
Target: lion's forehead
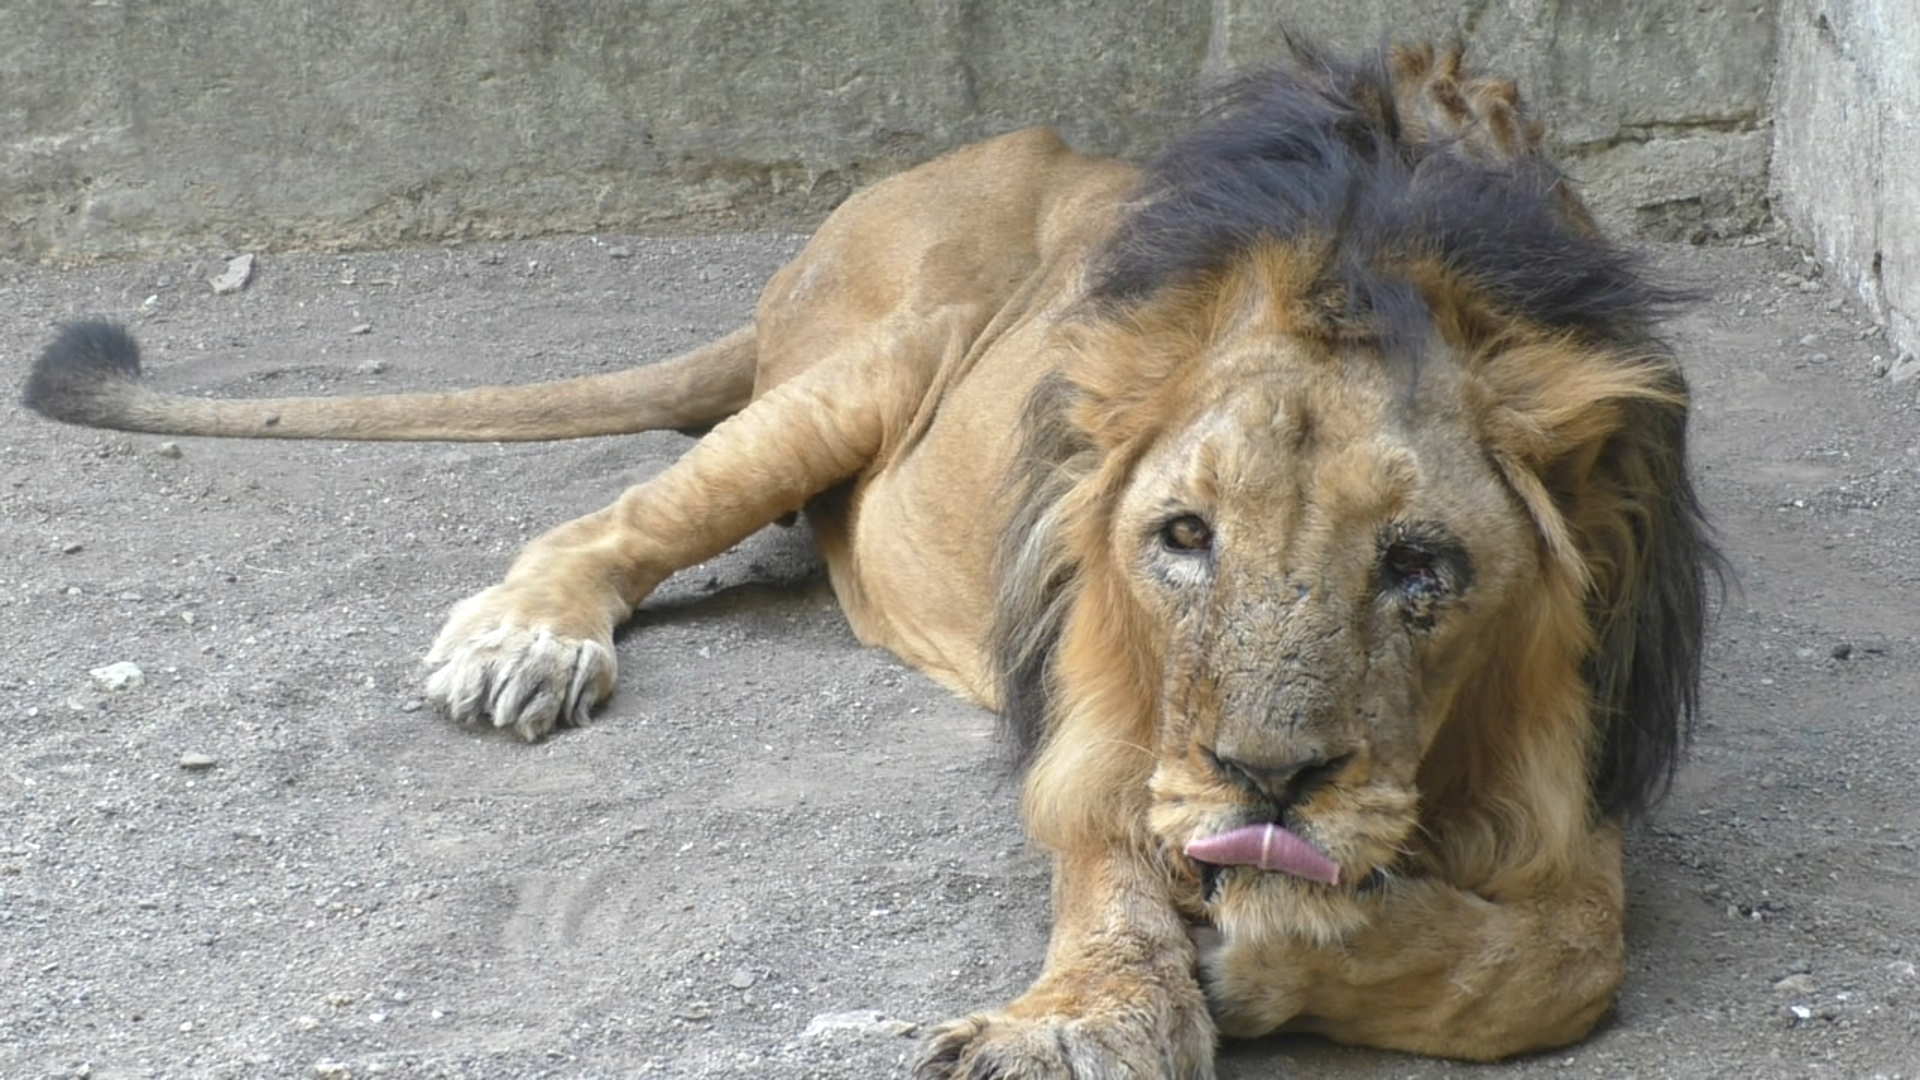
1356 446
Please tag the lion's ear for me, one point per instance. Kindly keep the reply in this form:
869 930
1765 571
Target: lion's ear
1128 369
1597 451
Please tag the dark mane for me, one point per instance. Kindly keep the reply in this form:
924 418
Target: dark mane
1035 574
1316 152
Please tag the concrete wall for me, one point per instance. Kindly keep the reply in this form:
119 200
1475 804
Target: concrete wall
1847 147
156 125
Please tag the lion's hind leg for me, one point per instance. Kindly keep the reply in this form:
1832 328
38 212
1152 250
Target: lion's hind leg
1478 117
536 650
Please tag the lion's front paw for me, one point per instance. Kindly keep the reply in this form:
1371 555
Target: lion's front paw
1003 1046
495 662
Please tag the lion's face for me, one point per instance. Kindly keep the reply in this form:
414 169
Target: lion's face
1323 540
1359 586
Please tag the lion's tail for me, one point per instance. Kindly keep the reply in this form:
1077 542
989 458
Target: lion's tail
90 375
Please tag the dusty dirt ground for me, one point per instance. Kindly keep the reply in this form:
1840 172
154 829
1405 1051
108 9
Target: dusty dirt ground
770 825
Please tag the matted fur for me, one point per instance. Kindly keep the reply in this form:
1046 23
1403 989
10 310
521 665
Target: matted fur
1346 494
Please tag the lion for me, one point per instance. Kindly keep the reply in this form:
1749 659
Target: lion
1312 503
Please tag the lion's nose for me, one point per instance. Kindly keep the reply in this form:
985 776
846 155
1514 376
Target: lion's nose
1287 782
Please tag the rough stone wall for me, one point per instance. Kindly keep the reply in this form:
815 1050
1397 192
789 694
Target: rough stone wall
132 126
1847 147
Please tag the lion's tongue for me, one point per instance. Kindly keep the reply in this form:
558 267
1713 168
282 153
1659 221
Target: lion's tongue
1268 847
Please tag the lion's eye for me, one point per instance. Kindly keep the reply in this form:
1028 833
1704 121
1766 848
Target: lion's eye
1187 533
1421 563
1411 566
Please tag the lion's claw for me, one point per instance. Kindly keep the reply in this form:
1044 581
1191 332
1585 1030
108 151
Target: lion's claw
997 1046
516 674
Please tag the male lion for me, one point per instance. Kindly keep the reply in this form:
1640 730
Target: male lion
1313 504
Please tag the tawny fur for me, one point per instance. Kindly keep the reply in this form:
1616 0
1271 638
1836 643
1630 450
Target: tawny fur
1449 564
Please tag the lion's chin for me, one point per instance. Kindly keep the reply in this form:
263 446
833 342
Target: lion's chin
1254 907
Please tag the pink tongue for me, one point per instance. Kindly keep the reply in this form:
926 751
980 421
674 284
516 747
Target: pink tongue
1267 847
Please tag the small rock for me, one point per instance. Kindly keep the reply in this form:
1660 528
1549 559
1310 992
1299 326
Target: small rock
1841 650
372 367
74 548
742 979
1818 358
1794 984
360 328
697 1011
619 251
329 1069
1879 365
197 761
235 277
168 450
411 705
125 675
1800 1012
1810 340
150 305
861 1024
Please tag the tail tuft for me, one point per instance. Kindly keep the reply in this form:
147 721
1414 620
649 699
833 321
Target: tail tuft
83 373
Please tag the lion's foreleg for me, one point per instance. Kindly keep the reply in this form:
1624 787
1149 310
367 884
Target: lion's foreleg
1444 971
1117 997
537 649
